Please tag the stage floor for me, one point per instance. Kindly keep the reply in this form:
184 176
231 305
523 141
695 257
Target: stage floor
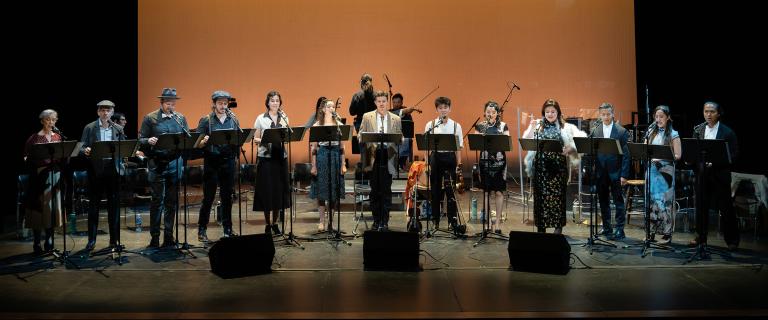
326 279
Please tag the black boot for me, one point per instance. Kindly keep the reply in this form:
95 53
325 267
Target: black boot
202 235
36 248
48 245
92 229
154 242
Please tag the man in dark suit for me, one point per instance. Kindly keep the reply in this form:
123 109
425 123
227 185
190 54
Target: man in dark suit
103 173
165 166
612 172
717 177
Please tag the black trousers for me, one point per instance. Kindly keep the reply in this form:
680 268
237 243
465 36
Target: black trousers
605 188
217 171
443 167
98 185
717 197
381 188
164 197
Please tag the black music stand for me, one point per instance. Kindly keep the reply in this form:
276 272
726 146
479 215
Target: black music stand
701 152
286 135
114 150
539 145
235 139
594 146
330 134
487 144
431 143
647 152
53 151
381 139
181 145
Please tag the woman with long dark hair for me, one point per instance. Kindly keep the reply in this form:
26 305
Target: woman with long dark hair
662 175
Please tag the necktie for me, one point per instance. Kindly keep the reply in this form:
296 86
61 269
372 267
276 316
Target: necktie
382 124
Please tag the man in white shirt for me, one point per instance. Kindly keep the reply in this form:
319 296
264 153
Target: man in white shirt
717 177
444 164
611 172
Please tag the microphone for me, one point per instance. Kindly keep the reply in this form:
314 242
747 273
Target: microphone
119 128
175 116
651 127
388 83
232 115
57 131
698 128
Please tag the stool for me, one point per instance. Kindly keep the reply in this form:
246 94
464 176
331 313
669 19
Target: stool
635 193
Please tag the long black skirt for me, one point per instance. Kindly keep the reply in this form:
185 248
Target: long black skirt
271 191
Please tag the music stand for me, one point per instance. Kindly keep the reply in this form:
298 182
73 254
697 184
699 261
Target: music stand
594 146
180 144
433 142
233 138
56 151
286 135
114 150
337 133
539 145
647 152
700 152
381 139
487 144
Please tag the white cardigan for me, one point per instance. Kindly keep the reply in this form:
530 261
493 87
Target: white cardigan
566 133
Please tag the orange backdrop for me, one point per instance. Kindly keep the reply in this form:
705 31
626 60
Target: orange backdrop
579 52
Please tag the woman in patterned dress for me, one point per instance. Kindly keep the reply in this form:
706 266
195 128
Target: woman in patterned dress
662 175
327 167
43 198
551 170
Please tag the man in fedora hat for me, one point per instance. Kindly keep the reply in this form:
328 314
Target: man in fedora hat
218 164
102 173
165 166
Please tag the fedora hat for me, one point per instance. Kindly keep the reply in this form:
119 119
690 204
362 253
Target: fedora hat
169 93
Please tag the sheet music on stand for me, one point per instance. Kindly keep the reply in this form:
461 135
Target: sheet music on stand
55 150
717 150
547 145
229 137
280 135
374 137
643 151
437 142
329 133
169 141
599 145
490 142
104 149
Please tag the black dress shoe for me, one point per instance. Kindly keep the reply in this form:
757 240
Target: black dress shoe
90 245
168 242
48 246
276 229
228 233
619 234
201 235
267 229
154 243
375 226
607 232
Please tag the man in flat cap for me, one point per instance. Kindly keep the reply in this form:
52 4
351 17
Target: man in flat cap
218 164
103 173
165 166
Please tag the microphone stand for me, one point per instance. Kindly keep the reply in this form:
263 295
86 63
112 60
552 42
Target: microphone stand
237 173
185 247
594 238
291 239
